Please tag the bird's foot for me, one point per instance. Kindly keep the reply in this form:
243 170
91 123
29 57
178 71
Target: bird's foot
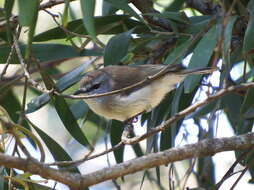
128 131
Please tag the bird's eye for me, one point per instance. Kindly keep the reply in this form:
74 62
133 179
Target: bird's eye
96 86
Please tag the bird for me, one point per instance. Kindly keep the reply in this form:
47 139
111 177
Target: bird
127 104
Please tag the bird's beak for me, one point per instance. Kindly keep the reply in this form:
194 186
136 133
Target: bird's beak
79 91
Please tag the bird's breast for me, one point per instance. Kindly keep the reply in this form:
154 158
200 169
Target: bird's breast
122 107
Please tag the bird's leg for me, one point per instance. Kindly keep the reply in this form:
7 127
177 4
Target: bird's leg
128 129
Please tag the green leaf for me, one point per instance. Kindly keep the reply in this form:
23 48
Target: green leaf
71 77
63 83
48 52
175 16
69 120
115 137
112 24
177 52
175 5
248 37
198 23
37 103
65 13
117 48
56 150
228 34
108 9
202 111
27 11
65 113
200 58
8 5
166 138
79 109
87 7
123 5
248 101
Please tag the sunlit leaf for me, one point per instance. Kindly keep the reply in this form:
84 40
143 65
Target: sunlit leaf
26 18
87 7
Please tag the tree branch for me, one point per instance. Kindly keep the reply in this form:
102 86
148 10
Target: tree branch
51 3
206 7
146 6
203 148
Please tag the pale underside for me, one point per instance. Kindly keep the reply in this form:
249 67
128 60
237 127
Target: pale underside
142 100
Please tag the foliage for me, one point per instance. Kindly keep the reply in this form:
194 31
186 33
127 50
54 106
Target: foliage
213 33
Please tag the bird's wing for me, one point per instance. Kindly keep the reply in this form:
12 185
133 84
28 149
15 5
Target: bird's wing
150 69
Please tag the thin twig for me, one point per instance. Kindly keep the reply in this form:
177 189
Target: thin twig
167 123
8 61
85 158
21 59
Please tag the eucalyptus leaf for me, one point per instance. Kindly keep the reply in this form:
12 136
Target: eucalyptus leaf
87 7
26 18
64 82
115 138
117 48
200 58
248 37
112 24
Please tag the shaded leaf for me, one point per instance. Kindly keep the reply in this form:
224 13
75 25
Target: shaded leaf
64 82
177 52
228 34
123 5
108 9
115 138
87 8
56 150
71 77
176 16
202 111
248 101
48 52
79 109
37 103
69 120
175 5
248 37
117 48
112 24
200 58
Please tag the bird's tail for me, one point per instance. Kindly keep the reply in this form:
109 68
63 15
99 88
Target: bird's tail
206 70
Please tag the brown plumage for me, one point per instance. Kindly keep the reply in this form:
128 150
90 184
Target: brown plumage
126 104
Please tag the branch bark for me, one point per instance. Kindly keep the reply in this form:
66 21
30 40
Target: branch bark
206 7
203 148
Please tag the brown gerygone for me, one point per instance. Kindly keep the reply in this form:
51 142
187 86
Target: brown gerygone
127 104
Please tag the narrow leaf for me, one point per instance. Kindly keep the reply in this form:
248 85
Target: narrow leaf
69 120
27 11
64 82
115 137
87 7
113 24
248 38
200 58
56 150
117 48
123 5
248 101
